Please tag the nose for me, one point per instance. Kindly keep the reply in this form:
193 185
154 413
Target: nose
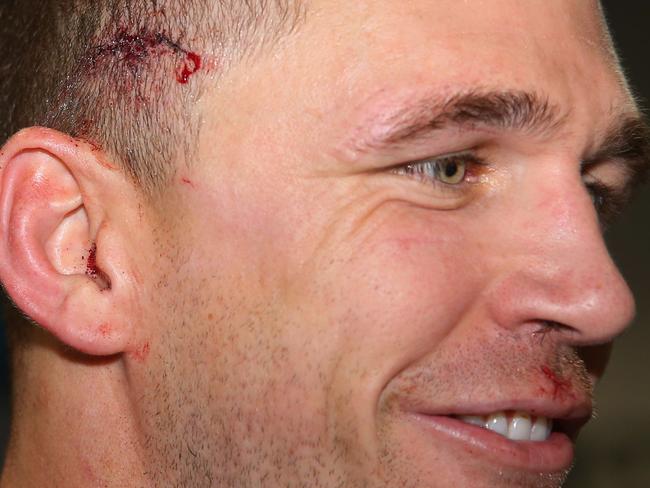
553 265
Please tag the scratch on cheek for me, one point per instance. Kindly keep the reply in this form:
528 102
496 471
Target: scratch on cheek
188 182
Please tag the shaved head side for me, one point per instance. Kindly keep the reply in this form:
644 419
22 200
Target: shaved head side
125 74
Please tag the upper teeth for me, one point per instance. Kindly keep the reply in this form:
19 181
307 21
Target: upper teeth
518 426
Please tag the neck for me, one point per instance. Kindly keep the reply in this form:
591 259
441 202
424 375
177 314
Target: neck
71 422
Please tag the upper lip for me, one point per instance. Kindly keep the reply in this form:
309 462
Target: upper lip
580 408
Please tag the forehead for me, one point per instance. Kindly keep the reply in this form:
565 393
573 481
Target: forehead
550 26
350 60
502 42
454 17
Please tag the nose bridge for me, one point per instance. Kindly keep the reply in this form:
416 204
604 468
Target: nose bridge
556 267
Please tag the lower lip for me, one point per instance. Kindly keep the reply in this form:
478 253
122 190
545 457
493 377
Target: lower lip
552 455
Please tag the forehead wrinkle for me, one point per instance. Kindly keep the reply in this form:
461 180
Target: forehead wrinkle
420 118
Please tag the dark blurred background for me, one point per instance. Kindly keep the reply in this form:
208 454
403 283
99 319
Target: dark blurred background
613 449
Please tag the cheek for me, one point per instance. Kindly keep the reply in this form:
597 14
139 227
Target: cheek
400 293
376 303
417 280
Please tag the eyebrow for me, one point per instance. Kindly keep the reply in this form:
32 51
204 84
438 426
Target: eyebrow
626 141
506 110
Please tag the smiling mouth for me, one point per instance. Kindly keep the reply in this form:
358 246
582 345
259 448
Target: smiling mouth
534 435
514 425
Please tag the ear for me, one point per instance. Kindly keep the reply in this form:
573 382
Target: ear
64 240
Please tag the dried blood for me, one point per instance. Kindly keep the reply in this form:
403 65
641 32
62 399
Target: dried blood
560 386
91 264
135 50
191 65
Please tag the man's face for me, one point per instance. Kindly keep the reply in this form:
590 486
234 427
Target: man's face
387 225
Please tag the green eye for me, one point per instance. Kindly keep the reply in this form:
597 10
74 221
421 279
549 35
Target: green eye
452 171
448 172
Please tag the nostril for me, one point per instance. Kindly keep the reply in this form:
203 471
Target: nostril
551 325
546 327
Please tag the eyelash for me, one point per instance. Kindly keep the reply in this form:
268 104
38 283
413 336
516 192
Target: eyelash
607 202
428 171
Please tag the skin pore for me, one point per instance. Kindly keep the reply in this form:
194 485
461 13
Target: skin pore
318 294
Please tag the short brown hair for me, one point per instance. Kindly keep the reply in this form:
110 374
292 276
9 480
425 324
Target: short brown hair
119 73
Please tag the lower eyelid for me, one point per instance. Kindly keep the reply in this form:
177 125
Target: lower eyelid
436 187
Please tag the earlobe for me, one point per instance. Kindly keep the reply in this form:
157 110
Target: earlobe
59 256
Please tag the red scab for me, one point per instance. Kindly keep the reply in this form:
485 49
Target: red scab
191 65
105 330
141 353
188 182
91 264
560 386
